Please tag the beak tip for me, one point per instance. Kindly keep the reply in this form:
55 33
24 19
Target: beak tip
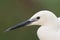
7 30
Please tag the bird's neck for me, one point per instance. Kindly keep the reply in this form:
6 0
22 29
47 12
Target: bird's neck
51 22
52 25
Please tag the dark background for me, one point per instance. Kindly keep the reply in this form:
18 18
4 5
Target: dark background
15 11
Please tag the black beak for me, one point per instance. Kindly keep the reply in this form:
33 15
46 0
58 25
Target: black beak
19 25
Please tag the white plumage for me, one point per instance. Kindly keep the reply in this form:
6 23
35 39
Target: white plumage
50 25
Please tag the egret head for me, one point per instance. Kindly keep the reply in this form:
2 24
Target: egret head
43 17
40 18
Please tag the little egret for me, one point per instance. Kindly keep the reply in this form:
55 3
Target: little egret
50 25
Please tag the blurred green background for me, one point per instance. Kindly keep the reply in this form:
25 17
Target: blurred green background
15 11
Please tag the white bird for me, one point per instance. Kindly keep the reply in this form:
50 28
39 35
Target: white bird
50 25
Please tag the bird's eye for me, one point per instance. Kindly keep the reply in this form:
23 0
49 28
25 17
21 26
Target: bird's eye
38 17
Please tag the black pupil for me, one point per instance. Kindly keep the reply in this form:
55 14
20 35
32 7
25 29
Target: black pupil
38 17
